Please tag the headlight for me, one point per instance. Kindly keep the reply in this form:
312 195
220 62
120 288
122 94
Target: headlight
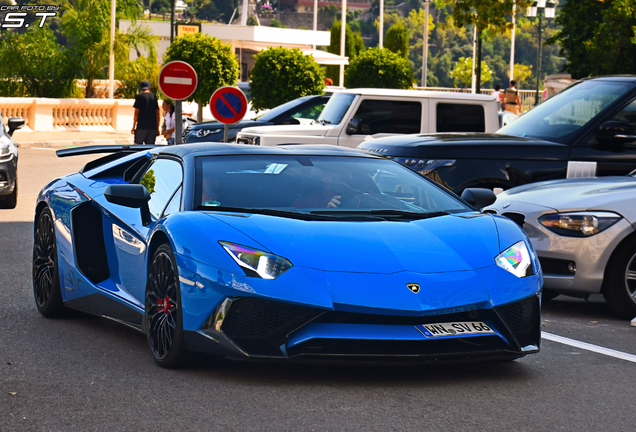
246 139
579 224
6 146
426 164
257 263
516 260
200 133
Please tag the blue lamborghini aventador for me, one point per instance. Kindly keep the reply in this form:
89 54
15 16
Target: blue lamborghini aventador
293 252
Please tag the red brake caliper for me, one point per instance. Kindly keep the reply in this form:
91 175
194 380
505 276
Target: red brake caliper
164 304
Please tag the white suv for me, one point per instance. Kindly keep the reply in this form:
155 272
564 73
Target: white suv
356 115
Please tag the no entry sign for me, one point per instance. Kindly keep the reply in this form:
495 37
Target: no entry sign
178 80
228 105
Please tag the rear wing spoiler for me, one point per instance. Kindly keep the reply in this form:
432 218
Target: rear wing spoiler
88 150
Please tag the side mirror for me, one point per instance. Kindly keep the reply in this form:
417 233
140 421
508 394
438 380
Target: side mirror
479 197
616 132
130 195
14 124
353 127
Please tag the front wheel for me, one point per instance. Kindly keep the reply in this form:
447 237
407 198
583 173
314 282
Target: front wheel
163 315
46 278
619 287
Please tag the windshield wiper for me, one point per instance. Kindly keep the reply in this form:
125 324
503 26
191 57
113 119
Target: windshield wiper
285 213
386 213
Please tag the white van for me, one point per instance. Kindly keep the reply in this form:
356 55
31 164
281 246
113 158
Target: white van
356 115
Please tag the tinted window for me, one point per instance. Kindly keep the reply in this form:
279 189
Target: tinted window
161 179
460 118
394 117
305 183
561 116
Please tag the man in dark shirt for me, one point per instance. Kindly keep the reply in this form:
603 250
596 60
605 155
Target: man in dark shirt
147 115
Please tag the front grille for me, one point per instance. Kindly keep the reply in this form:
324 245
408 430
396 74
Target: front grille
518 218
261 326
522 319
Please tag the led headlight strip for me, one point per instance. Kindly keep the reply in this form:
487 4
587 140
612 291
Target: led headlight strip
257 263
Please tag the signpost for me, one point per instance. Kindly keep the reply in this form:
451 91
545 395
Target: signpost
228 105
178 80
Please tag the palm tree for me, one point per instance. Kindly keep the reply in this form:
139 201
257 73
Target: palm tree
86 23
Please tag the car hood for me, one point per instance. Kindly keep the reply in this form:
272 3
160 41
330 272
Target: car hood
439 244
600 193
311 130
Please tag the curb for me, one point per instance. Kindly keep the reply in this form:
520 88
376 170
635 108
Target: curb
75 143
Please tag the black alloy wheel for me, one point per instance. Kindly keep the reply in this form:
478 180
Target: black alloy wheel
619 285
46 279
163 318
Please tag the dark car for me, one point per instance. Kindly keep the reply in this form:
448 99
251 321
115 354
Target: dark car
9 164
588 129
306 107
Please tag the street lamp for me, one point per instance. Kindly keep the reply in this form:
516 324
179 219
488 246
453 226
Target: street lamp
425 46
549 8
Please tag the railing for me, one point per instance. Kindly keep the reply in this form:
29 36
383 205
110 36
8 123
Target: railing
42 114
526 96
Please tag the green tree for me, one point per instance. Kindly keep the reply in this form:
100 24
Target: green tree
597 37
33 64
280 75
131 73
379 68
485 14
86 23
462 73
354 45
213 60
397 39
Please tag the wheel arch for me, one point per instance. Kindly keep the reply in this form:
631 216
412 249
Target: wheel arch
158 238
38 210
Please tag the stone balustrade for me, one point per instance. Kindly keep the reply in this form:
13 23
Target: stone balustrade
43 115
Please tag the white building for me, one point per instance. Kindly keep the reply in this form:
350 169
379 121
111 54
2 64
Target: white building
249 40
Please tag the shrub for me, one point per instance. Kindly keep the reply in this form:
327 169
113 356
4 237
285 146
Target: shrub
397 39
379 68
281 74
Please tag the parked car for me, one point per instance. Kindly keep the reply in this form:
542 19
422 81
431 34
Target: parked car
306 108
587 129
296 252
583 231
9 163
358 115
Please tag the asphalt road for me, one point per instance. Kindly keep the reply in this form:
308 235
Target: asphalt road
85 373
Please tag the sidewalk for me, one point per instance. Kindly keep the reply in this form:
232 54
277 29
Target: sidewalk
71 138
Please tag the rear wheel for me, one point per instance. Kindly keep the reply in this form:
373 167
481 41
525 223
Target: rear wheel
619 287
46 279
163 316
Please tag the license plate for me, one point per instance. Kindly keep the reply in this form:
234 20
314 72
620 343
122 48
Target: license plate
454 329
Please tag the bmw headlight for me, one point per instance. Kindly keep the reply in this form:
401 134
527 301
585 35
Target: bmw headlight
579 224
257 263
426 164
516 260
200 133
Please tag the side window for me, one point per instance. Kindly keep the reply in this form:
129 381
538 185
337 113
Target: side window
161 179
310 111
460 118
627 114
395 117
174 205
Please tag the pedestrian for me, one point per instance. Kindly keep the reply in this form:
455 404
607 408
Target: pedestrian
512 101
147 116
499 97
168 109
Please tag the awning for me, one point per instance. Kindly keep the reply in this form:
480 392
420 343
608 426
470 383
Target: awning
321 57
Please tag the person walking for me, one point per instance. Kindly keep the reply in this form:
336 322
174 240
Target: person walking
168 108
147 116
511 99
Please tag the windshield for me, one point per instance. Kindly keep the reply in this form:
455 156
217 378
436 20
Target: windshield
336 108
561 116
270 115
327 184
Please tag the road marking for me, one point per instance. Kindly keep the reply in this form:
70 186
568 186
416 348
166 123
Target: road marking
45 148
589 347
